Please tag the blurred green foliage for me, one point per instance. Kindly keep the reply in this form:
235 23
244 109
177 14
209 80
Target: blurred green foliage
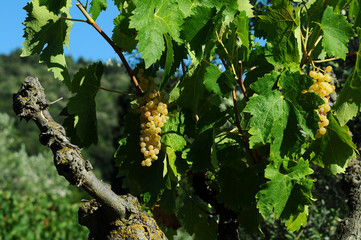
40 216
35 203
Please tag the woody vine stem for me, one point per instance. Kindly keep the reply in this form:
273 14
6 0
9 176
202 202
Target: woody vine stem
118 50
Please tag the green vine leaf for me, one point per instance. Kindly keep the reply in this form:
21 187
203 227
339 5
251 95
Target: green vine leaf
304 105
336 33
246 6
334 149
242 23
187 6
270 113
169 60
348 102
355 10
191 87
221 83
194 220
152 19
82 121
199 28
272 110
287 193
200 154
279 26
45 34
123 36
96 6
173 140
265 83
53 6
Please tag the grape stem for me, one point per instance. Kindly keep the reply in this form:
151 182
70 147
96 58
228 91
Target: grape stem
314 46
240 80
346 5
58 100
332 59
114 91
73 19
90 21
183 67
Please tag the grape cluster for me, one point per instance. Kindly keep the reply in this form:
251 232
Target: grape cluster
145 82
153 116
322 87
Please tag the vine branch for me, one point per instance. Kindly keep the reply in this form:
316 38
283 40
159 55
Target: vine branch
108 211
90 21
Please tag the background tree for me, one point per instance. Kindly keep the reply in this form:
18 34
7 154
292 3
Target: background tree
232 151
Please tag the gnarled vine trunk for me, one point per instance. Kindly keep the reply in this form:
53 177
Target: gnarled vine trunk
108 216
350 227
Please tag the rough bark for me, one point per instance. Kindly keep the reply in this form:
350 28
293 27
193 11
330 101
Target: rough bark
350 227
109 216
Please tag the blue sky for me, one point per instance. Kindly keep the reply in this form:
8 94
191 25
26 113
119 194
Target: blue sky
84 40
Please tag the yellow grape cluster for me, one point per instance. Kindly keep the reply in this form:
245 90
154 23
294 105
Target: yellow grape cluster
145 82
153 116
322 87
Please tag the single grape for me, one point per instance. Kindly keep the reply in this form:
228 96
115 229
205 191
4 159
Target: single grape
327 108
322 130
313 74
326 122
153 95
319 75
147 114
155 113
148 162
322 93
158 130
329 69
323 123
323 117
160 107
150 104
328 78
